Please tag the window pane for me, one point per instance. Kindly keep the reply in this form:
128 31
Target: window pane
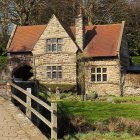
53 67
93 77
49 75
104 77
59 68
92 70
54 47
48 40
98 77
54 40
59 40
49 48
59 47
104 70
48 68
59 75
98 70
53 75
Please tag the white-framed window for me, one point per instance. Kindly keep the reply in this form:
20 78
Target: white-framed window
54 45
99 74
54 72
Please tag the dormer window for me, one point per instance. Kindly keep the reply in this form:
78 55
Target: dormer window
54 45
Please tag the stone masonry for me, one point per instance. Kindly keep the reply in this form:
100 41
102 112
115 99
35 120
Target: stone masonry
112 85
39 59
66 58
132 85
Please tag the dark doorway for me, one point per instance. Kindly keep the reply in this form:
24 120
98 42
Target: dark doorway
23 73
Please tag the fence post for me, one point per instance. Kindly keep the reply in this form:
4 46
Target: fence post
8 89
54 121
28 101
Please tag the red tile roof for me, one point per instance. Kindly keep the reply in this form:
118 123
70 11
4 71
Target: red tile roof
101 40
25 38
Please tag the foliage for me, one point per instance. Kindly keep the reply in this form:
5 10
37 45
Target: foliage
81 125
101 110
44 95
62 87
30 12
135 60
100 117
3 61
123 99
97 135
3 43
116 11
93 96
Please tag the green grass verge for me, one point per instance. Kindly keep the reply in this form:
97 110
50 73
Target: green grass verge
99 136
124 99
100 111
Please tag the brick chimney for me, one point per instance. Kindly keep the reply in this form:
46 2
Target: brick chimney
80 29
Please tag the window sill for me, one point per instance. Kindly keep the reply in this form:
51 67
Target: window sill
106 82
54 79
53 52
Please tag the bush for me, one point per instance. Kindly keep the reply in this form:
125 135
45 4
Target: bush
135 60
42 88
63 87
81 125
3 60
93 95
120 127
102 128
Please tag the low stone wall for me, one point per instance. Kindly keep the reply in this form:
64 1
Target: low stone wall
132 84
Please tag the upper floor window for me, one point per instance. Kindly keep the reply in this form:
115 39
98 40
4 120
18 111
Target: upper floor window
54 45
98 74
54 72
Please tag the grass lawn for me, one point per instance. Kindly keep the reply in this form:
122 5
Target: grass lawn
98 136
124 99
96 111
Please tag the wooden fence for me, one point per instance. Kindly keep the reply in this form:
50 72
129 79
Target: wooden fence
53 108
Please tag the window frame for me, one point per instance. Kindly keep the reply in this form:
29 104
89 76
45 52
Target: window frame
50 42
99 71
57 71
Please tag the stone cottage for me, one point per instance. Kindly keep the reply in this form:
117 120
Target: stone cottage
51 51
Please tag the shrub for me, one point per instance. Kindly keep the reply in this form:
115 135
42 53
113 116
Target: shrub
102 128
120 127
81 125
3 61
42 88
62 87
93 95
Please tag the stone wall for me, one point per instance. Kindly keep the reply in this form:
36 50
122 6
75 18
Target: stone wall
66 58
132 84
15 61
112 85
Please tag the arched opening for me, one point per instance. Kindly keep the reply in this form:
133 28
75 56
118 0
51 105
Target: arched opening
23 73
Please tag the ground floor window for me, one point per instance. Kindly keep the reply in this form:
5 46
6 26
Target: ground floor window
54 72
98 74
